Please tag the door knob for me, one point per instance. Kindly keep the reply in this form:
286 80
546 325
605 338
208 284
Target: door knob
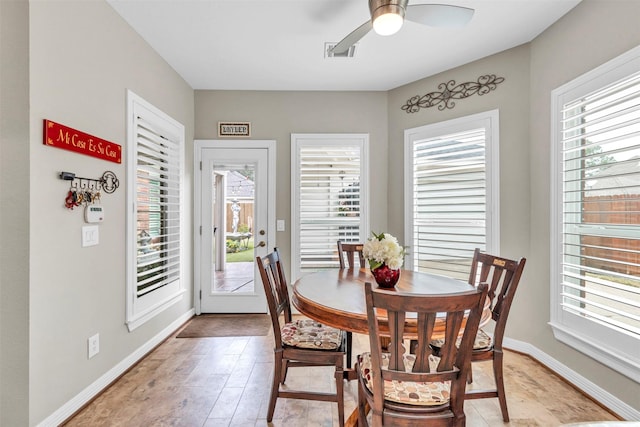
262 244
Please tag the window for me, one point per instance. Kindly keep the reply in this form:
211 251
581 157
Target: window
329 197
451 193
595 265
154 218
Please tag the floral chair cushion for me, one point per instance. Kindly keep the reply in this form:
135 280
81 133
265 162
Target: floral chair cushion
482 341
407 392
307 333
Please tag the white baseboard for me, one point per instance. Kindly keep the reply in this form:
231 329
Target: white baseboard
597 393
69 408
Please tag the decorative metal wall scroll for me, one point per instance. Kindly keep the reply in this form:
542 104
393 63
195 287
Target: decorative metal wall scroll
450 91
87 190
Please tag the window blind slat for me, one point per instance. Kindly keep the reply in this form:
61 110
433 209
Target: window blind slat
574 110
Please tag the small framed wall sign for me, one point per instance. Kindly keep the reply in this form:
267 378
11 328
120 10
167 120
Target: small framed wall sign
61 136
234 129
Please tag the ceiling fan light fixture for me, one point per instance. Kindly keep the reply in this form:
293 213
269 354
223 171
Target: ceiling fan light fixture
387 24
387 16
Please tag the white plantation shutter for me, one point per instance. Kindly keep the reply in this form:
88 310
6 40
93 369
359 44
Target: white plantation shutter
449 200
329 197
158 208
448 206
601 204
596 262
155 216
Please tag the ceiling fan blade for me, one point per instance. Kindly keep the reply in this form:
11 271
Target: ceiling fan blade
352 38
439 15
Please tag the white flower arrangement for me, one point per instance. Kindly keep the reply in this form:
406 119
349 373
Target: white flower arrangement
383 249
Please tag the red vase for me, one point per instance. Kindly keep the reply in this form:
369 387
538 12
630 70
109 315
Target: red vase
386 277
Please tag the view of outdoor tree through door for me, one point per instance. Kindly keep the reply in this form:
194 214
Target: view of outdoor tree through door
233 208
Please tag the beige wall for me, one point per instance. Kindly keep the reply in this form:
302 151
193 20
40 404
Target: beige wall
592 34
83 59
14 213
276 115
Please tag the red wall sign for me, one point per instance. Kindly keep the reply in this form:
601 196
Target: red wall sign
57 135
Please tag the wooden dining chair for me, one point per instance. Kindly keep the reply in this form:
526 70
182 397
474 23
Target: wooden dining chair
350 250
503 276
299 343
417 389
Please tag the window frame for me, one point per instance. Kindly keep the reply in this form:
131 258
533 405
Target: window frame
141 309
490 121
602 343
301 140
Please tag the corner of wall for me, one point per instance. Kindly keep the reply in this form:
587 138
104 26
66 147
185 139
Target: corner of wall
14 213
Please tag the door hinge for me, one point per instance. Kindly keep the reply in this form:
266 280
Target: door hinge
200 165
201 230
200 294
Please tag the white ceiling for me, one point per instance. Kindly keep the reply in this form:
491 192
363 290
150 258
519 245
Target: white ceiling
280 44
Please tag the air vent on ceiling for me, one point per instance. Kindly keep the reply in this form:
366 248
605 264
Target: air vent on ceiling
350 53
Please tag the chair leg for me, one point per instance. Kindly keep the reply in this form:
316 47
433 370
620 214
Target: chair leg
340 394
285 369
460 421
470 374
362 407
349 342
376 419
499 378
275 385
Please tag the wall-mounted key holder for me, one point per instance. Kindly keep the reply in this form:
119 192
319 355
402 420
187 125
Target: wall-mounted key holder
86 191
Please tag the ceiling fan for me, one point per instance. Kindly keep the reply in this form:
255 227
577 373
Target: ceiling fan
387 17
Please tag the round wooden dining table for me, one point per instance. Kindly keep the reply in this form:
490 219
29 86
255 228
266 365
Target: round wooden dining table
336 297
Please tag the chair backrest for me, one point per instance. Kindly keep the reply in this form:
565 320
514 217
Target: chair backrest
350 249
503 276
454 361
276 290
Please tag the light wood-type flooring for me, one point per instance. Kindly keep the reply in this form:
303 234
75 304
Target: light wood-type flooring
214 382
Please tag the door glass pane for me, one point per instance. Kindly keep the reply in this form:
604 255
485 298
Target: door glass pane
233 198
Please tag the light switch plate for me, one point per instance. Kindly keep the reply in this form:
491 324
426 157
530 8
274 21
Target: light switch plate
90 235
280 225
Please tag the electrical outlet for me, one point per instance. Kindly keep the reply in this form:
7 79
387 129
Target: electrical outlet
93 344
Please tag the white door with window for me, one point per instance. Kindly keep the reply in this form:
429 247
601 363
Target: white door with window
235 217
